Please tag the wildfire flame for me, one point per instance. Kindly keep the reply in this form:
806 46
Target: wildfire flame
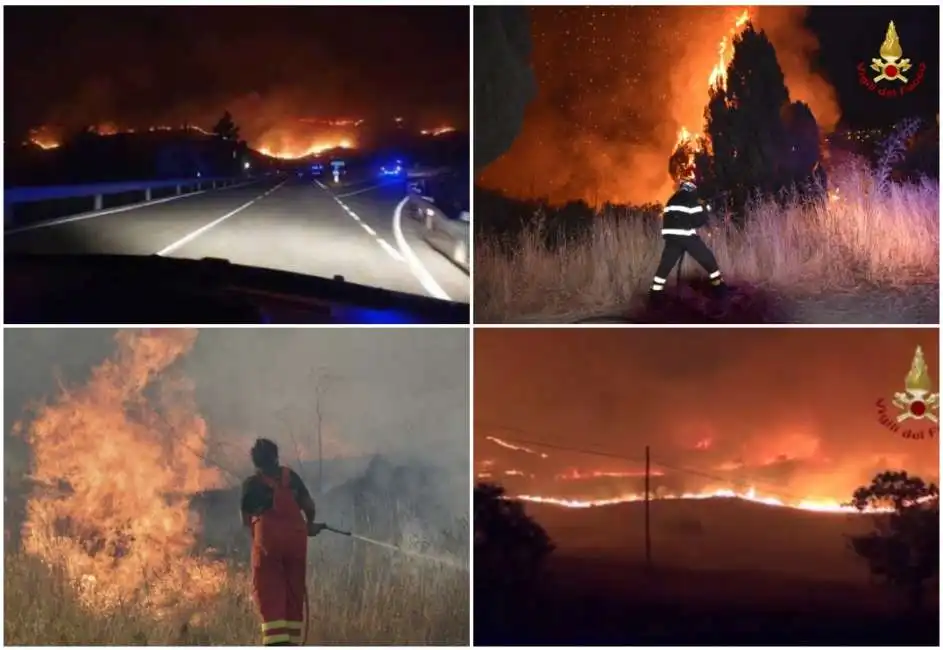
513 447
292 150
815 505
716 79
45 138
439 130
114 470
277 144
577 475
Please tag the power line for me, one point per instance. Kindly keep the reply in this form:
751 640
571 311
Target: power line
607 454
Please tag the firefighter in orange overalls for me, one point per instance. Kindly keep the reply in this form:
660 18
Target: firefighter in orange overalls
273 500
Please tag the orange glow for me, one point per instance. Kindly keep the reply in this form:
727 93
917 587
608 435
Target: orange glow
513 447
439 130
816 505
44 138
716 79
291 149
114 472
577 475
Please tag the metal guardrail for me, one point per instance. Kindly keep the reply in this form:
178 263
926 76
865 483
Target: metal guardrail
97 191
449 236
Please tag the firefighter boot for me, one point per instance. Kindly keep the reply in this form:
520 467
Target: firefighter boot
720 290
656 298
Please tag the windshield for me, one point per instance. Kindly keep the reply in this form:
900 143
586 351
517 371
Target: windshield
271 137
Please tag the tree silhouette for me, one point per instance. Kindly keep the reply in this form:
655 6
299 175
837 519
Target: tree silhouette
509 545
509 549
226 128
504 81
757 141
903 550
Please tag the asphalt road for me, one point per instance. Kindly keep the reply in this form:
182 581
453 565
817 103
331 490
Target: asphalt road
291 224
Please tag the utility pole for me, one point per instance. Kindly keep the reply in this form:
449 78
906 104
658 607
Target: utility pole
322 378
648 501
317 410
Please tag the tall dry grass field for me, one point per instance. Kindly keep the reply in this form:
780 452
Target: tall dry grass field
382 599
861 237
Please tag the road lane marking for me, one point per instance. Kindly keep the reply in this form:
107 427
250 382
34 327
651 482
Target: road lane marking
412 260
389 249
392 252
123 208
368 189
199 231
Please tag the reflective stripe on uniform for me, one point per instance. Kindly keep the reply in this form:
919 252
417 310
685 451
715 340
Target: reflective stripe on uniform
715 274
272 639
275 632
679 231
658 280
658 287
275 625
295 630
684 209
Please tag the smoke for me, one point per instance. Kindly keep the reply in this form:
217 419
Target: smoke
399 394
607 115
791 413
271 67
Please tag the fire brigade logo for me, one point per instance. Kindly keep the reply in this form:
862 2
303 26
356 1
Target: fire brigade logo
916 405
894 77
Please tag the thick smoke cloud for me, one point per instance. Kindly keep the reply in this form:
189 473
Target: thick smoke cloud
402 394
271 67
792 412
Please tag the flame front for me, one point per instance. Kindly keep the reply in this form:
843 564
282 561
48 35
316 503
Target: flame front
439 130
815 505
114 471
295 149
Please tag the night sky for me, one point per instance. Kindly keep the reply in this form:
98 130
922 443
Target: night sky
791 412
270 66
617 83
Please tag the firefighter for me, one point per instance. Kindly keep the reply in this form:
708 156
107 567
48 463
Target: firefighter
683 215
273 500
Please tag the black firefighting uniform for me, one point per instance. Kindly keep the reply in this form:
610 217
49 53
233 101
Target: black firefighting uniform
683 215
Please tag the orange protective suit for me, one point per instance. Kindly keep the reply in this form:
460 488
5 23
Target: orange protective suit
279 558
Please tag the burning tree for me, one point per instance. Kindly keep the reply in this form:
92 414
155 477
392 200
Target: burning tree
903 550
755 140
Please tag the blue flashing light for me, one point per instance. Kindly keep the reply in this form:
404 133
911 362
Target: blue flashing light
365 316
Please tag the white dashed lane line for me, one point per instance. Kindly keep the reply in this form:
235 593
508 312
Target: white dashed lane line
392 252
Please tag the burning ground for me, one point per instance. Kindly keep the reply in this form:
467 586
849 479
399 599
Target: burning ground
755 439
119 516
296 79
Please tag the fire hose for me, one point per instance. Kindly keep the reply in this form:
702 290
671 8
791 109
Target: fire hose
346 533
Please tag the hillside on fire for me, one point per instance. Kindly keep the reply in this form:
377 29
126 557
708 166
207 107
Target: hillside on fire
822 184
129 456
724 487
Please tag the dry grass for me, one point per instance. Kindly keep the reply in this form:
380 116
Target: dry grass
383 600
863 238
